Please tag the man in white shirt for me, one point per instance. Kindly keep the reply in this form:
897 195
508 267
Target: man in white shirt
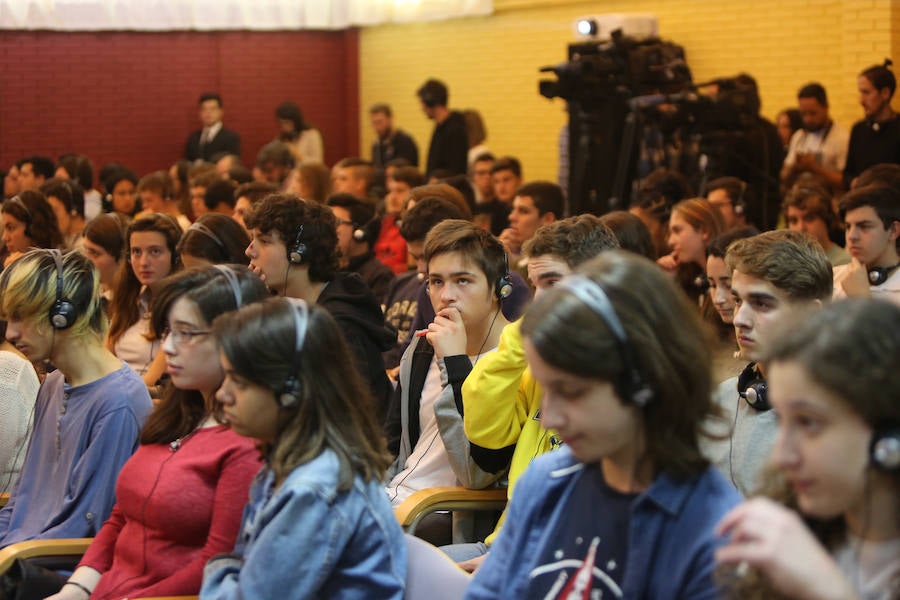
820 147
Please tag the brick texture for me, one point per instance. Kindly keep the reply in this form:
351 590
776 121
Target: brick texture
132 97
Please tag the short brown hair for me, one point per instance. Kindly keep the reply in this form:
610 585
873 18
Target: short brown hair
575 240
792 261
474 243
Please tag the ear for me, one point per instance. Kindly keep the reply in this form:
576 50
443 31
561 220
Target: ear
547 218
894 230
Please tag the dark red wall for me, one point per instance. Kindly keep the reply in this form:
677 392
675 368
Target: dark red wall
132 97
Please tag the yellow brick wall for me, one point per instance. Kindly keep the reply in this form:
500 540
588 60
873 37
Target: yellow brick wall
491 63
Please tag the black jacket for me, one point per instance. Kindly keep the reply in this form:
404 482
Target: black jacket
225 142
348 299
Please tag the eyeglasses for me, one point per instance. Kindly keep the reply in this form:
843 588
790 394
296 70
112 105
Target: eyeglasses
339 222
184 336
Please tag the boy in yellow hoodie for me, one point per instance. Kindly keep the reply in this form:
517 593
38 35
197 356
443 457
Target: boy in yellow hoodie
501 399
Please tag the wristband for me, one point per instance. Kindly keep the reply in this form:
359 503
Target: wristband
79 586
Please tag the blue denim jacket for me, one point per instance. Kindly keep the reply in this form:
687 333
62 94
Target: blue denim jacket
671 539
307 540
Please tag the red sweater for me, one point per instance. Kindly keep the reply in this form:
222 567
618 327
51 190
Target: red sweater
174 510
390 247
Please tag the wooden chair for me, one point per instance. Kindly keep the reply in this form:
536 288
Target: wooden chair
71 548
424 502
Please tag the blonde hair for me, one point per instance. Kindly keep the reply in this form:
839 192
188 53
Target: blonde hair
30 291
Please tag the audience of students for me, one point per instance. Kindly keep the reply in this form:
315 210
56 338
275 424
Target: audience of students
628 506
610 366
830 524
180 496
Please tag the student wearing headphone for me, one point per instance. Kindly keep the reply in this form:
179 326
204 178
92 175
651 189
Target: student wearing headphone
830 527
293 247
88 411
774 276
727 194
627 507
871 218
358 225
28 222
179 497
318 524
468 278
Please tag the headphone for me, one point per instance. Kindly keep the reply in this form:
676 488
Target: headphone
297 252
63 314
885 448
878 275
504 286
290 391
739 204
591 293
361 232
753 388
200 227
232 283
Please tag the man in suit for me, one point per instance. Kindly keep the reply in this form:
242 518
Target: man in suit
213 139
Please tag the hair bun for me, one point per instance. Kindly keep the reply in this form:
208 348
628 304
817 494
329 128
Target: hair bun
888 63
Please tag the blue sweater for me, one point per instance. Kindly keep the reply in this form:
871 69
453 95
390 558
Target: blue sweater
671 539
82 437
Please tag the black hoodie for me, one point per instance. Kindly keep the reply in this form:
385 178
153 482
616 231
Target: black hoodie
360 318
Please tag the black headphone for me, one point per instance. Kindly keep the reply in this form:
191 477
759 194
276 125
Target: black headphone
878 275
233 283
200 227
631 384
63 313
297 252
504 285
290 391
753 388
885 448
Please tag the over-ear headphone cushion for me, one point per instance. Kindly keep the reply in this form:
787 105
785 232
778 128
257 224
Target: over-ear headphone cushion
753 388
504 286
63 314
297 254
885 449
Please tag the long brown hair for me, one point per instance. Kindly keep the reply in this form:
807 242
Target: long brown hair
334 409
123 309
669 347
180 411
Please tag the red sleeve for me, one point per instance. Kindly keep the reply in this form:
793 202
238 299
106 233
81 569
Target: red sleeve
99 555
232 493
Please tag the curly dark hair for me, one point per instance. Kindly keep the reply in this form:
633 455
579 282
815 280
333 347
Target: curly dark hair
284 214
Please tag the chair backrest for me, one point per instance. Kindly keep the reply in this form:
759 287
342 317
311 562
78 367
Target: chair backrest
430 574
